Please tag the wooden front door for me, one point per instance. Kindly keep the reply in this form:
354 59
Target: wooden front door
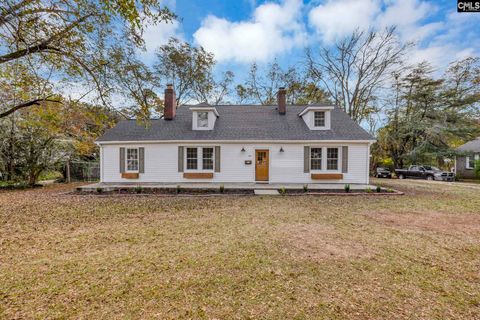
261 165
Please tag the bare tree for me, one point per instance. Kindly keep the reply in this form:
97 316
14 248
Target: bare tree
261 85
214 91
354 69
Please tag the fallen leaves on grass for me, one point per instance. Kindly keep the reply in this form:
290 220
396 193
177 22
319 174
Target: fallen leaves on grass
428 221
318 242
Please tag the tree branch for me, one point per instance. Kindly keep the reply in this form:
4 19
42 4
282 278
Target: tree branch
44 45
27 104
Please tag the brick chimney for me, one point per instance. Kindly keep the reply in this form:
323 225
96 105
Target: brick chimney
170 103
282 100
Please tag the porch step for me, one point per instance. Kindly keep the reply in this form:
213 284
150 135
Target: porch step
266 192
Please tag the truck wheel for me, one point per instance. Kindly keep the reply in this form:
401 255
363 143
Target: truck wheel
430 178
401 176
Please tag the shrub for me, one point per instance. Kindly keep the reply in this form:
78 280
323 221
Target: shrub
390 190
222 188
138 189
99 189
477 168
379 189
179 189
346 188
368 190
305 188
282 191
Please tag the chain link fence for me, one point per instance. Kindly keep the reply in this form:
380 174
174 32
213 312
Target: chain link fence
83 171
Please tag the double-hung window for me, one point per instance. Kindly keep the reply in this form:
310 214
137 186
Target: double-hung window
332 158
316 158
192 159
132 160
207 159
319 118
199 158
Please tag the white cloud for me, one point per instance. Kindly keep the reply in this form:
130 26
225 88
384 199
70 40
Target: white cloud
158 35
457 39
439 41
407 16
338 18
335 19
272 30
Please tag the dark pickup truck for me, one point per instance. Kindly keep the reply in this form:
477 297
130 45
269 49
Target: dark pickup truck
425 172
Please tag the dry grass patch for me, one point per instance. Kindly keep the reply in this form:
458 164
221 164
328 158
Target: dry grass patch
64 256
318 242
429 221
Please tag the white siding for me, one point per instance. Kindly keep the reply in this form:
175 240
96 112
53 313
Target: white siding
161 163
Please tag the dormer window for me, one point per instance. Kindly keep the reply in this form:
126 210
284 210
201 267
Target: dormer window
319 119
202 119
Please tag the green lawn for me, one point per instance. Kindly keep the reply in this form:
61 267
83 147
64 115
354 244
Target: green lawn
415 256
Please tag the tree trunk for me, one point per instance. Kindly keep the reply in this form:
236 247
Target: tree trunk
67 173
32 178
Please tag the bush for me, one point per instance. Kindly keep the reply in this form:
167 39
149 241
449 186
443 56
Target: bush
346 188
222 188
379 189
138 189
305 188
368 190
50 175
99 189
390 190
282 191
179 189
477 168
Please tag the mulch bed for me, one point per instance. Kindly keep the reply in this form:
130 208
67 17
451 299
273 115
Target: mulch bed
172 192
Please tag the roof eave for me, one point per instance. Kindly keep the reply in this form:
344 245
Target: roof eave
315 108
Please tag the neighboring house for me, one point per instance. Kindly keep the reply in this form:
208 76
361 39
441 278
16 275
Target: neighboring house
238 143
465 164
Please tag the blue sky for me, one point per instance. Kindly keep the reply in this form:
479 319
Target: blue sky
245 31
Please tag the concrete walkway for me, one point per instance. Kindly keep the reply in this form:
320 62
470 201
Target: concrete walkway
216 186
263 192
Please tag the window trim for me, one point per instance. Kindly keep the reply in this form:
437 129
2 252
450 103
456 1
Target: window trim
138 160
324 159
199 159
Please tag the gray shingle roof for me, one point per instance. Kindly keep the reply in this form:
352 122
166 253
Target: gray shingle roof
473 145
239 122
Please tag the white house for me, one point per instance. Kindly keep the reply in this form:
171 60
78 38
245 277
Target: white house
238 143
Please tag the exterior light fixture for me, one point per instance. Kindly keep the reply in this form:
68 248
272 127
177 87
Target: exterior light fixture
243 149
281 149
